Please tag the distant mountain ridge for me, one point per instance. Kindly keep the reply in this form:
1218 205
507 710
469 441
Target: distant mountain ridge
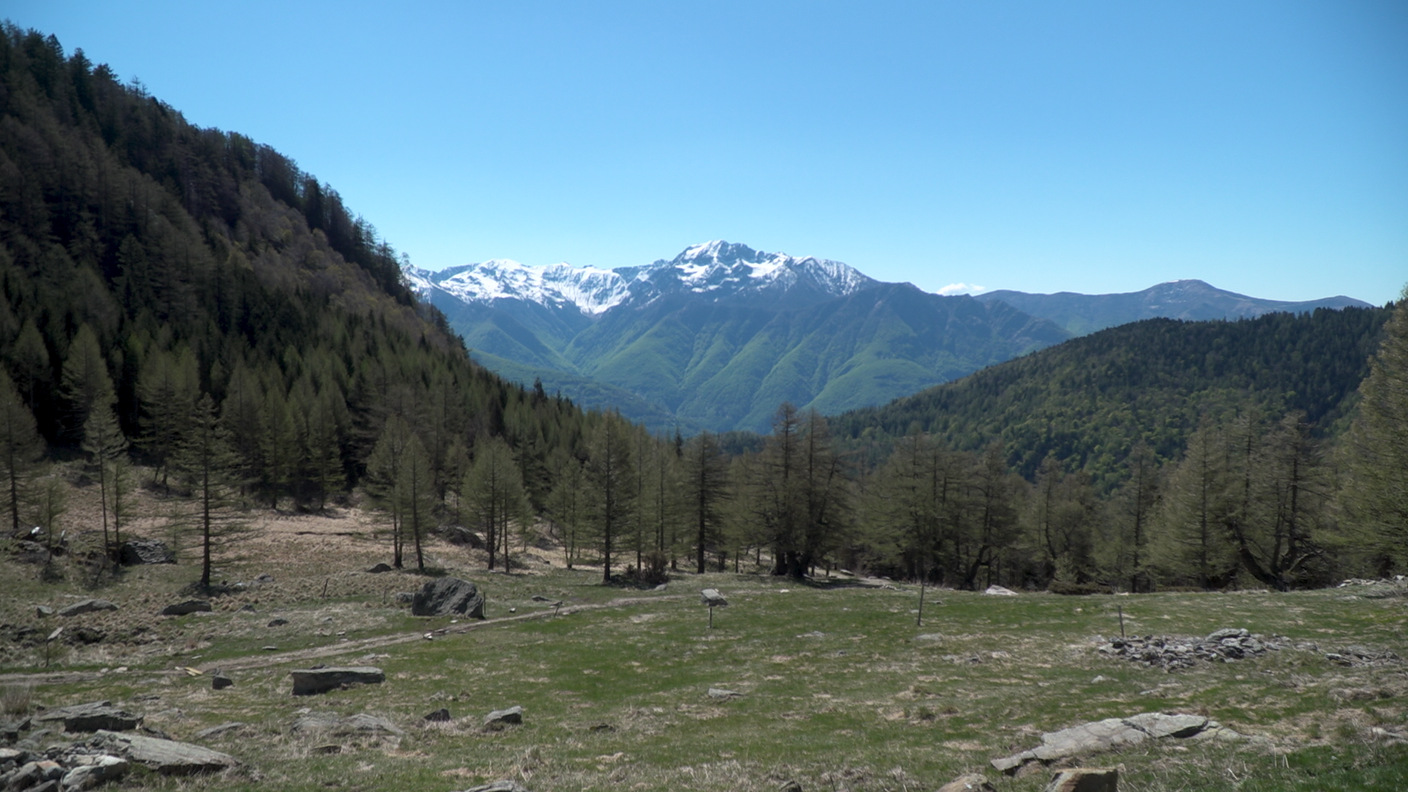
716 337
1192 300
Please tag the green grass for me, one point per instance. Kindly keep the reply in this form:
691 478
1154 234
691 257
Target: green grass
617 697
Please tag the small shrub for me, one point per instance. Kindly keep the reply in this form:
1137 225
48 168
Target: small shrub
16 698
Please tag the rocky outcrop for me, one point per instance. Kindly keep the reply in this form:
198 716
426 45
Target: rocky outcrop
311 681
88 606
446 596
1173 654
94 716
145 551
1107 735
1085 779
186 608
166 757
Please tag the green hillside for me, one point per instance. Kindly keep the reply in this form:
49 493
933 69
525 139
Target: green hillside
1093 398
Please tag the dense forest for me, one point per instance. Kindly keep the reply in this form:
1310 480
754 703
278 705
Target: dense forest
186 310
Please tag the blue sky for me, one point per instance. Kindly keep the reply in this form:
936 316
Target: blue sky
1078 146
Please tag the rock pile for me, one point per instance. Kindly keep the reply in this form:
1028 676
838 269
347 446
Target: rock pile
1172 653
108 756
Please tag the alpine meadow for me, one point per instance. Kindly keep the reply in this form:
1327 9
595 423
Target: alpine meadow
283 510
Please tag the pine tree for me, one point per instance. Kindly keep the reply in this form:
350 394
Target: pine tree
104 441
20 448
1376 493
208 466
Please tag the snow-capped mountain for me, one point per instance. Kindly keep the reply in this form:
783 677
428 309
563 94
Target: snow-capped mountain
714 270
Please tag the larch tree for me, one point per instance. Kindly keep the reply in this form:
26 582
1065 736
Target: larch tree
383 481
1376 491
705 488
85 382
611 479
494 493
107 445
20 448
208 467
417 489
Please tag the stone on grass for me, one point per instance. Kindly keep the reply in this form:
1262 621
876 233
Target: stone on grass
379 568
145 551
167 757
1085 779
94 716
220 682
332 723
446 596
723 693
216 731
43 610
186 608
972 782
504 785
88 606
500 718
1105 735
95 770
277 622
310 681
441 715
999 591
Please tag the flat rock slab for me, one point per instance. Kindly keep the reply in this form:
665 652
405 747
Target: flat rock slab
95 716
167 757
332 723
446 596
1085 779
498 718
186 608
311 681
96 770
1106 735
88 606
504 785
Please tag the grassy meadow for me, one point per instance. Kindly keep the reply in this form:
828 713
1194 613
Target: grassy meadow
837 687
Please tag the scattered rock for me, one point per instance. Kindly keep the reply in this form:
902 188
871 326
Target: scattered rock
1105 735
166 757
712 598
789 786
972 782
1357 656
86 635
145 551
43 611
220 682
999 591
328 750
186 608
540 598
722 694
1085 779
379 568
500 718
216 731
277 622
459 535
405 597
94 716
95 770
441 715
332 723
504 785
310 681
88 606
447 595
1173 654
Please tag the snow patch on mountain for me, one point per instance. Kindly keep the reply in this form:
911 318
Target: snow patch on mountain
592 291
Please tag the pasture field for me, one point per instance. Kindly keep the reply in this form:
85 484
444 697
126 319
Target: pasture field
835 686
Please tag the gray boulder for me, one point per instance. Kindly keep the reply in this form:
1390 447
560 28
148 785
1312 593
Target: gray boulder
166 757
446 596
94 771
1085 779
94 716
311 681
145 551
1106 735
500 718
186 608
88 606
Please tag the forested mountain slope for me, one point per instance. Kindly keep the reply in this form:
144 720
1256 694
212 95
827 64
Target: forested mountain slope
146 263
1091 399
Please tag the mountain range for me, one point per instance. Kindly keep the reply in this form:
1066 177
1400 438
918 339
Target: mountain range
716 337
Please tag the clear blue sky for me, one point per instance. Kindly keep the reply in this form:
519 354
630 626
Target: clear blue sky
1080 146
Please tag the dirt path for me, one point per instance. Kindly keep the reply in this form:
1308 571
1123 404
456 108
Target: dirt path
341 647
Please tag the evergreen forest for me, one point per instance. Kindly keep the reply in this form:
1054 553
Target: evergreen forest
185 310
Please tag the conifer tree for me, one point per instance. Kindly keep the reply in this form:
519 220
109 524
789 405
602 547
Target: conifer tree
610 475
417 489
104 441
208 467
567 502
383 481
493 492
706 487
20 448
85 382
